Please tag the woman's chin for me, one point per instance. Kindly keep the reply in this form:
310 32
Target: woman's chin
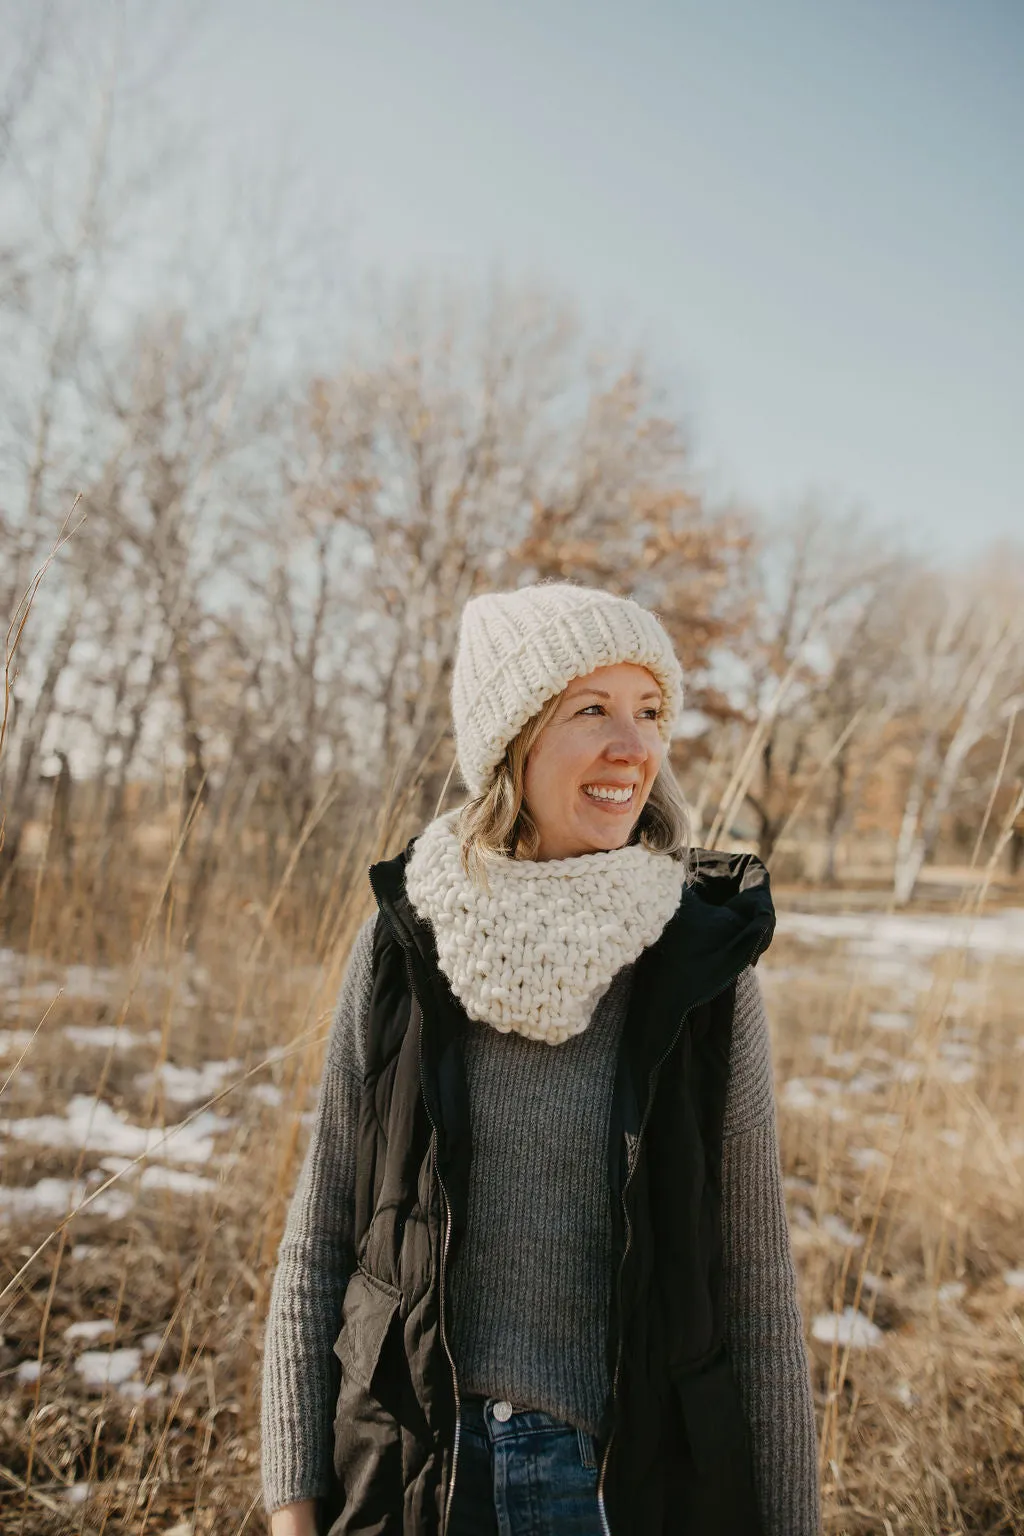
605 838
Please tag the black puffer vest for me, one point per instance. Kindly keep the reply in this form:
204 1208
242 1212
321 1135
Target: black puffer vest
674 1455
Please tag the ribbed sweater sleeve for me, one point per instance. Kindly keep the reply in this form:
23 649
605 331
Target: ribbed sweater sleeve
300 1373
765 1328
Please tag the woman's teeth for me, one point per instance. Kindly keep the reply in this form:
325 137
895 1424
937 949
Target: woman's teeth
618 796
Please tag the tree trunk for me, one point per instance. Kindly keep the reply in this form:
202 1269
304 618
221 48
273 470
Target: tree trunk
195 784
1016 851
837 816
21 799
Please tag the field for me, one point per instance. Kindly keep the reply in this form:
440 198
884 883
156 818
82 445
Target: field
293 373
164 1095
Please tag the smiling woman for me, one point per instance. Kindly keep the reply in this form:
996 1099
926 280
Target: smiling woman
540 1219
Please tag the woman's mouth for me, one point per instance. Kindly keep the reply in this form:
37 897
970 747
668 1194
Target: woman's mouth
610 797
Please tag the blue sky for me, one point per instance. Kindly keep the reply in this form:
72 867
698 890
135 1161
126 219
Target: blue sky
811 215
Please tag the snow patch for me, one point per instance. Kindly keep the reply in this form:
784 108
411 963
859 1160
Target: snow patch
107 1036
848 1327
141 1391
956 1072
888 935
957 1050
865 1082
89 982
901 976
836 1227
868 1157
98 1368
89 1123
89 1330
14 1041
841 1061
267 1093
84 983
187 1085
178 1180
797 1095
56 1197
807 1093
892 1022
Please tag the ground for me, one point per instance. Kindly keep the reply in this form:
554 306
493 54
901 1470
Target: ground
166 1101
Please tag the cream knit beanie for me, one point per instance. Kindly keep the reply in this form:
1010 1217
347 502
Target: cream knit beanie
518 649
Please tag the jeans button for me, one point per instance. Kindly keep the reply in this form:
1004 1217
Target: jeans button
503 1411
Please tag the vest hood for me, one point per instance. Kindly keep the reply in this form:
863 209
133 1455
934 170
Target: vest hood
726 901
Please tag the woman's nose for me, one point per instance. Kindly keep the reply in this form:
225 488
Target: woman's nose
627 746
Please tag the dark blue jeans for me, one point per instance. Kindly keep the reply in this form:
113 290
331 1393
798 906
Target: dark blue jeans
529 1476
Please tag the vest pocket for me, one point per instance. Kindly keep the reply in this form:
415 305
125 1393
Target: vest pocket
713 1416
366 1314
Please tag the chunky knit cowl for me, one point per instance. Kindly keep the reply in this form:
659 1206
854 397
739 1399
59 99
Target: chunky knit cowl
537 951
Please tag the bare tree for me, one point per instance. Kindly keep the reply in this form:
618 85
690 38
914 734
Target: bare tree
815 591
964 651
485 448
77 142
854 704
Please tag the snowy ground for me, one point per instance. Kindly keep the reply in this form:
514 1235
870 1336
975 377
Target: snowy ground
890 953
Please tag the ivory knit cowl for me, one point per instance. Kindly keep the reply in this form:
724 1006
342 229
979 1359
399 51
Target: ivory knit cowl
536 951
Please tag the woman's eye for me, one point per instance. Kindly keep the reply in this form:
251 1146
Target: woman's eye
652 710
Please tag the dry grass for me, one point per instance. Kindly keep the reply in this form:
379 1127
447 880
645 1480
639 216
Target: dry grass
903 1179
907 1202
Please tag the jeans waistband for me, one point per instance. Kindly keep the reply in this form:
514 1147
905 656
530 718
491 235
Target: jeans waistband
478 1413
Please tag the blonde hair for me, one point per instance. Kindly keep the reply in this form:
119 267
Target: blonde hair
498 824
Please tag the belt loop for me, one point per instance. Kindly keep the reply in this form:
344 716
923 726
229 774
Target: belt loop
588 1453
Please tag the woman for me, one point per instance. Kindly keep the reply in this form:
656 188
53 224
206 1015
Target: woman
537 1268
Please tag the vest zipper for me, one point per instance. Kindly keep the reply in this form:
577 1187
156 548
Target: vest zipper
444 1340
450 1492
651 1085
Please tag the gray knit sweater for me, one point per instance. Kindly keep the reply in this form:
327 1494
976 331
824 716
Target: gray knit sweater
528 1316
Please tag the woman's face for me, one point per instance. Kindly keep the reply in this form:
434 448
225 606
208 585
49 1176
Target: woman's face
603 736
